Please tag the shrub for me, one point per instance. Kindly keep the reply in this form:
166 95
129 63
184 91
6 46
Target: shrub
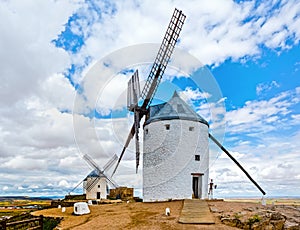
253 219
50 223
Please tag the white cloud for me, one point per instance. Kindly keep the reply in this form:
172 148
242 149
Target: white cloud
27 55
265 87
260 116
69 162
34 133
224 29
22 163
63 97
281 26
193 95
214 113
113 96
236 155
64 183
295 118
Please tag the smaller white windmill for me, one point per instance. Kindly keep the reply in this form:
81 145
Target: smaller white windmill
95 184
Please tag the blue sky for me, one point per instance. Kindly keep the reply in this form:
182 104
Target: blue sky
51 79
245 77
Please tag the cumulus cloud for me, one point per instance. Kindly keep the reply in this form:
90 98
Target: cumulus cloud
27 55
27 164
261 116
213 32
34 131
194 95
64 183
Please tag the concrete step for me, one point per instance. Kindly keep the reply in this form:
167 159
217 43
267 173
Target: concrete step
196 212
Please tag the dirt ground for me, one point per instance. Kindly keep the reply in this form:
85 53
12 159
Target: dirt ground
141 215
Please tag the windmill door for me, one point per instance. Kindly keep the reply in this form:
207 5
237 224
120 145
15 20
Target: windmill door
197 185
98 195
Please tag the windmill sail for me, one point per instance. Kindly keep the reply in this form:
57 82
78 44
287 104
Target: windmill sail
110 163
154 78
111 181
133 91
133 94
92 163
76 187
163 57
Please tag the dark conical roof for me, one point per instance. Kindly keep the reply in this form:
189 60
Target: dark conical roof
175 108
93 173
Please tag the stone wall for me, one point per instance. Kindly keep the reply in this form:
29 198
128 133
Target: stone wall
123 193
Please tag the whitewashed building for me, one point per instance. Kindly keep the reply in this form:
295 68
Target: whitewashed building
176 153
95 186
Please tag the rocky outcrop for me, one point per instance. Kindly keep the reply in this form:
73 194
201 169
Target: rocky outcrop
262 218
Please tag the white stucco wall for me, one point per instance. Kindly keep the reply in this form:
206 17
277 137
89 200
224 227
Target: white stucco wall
92 194
169 159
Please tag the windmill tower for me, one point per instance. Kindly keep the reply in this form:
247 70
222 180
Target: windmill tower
175 137
176 153
95 186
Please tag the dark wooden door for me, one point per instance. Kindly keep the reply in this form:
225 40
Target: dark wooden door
98 195
196 187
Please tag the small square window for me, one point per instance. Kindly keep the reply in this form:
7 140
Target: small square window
191 128
146 131
167 127
197 157
98 185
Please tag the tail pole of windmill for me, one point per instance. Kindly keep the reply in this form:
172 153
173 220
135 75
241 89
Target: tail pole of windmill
236 162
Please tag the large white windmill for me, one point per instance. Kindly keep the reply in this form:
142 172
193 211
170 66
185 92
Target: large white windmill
175 157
